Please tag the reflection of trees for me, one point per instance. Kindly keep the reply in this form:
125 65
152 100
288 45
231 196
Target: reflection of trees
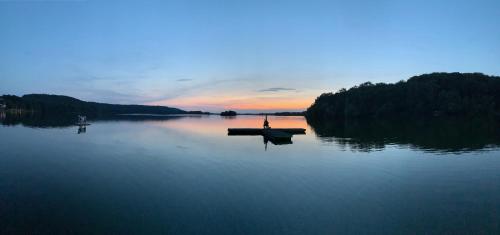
62 120
445 135
32 120
229 117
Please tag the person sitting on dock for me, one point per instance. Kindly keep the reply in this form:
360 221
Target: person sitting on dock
266 123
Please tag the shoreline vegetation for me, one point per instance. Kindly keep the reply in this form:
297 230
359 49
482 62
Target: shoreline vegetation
42 104
51 105
425 96
444 95
228 113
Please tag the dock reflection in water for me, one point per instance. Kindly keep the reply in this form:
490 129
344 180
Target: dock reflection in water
277 136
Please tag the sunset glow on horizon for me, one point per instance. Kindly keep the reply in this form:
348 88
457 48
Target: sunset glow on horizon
253 104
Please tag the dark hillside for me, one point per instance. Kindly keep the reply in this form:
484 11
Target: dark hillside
65 105
436 94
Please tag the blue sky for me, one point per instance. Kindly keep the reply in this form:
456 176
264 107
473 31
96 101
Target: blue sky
214 55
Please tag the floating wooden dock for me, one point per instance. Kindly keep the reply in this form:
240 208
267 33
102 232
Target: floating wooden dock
275 135
260 131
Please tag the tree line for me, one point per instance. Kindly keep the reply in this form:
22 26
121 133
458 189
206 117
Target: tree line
428 95
65 105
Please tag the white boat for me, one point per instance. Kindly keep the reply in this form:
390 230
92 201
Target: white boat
82 121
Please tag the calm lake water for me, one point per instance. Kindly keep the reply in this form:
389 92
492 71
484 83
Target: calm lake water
184 175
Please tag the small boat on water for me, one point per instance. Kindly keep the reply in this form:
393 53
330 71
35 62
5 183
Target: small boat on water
82 121
261 131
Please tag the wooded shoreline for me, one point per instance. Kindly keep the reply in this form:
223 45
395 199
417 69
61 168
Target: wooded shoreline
428 95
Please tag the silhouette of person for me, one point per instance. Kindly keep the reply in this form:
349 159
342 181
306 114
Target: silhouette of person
266 123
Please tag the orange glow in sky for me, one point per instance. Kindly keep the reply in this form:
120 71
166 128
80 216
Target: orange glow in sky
293 103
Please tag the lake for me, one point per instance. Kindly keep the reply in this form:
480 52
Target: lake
185 175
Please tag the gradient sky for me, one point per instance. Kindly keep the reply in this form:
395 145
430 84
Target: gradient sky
251 55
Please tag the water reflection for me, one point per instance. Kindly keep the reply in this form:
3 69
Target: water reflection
81 129
184 175
281 142
38 120
54 121
434 135
437 135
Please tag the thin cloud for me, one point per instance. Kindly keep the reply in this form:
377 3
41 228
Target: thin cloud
186 91
276 89
184 80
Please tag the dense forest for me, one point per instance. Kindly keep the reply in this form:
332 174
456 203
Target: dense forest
428 95
228 113
64 105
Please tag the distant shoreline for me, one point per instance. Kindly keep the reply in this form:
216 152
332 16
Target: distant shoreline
65 105
42 104
276 114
